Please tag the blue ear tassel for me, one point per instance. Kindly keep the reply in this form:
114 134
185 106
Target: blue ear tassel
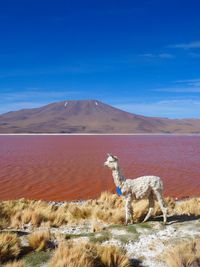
118 190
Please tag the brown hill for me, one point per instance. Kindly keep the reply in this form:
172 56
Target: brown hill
89 116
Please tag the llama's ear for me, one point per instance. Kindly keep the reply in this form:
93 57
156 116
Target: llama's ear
115 157
109 155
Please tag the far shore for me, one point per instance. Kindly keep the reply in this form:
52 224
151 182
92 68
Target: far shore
107 134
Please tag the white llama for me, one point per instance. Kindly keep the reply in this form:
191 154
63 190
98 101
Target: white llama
145 187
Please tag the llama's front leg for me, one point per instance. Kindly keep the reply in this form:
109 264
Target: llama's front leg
129 210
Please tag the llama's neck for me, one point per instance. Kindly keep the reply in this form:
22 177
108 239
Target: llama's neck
118 177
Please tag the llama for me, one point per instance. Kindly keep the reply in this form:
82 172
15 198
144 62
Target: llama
145 187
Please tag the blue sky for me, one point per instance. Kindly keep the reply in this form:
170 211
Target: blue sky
142 56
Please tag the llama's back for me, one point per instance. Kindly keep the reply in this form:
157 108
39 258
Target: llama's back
143 185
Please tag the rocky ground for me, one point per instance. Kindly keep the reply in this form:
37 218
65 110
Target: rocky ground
145 243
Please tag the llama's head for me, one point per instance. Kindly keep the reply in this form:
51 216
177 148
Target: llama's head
111 162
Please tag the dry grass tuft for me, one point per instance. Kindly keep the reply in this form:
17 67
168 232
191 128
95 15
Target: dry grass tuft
10 246
188 207
170 203
73 254
184 255
39 240
112 256
140 209
15 264
112 201
108 208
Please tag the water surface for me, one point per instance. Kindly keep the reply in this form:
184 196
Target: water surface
71 167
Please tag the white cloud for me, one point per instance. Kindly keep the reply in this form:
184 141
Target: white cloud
190 45
190 82
32 98
161 55
13 106
179 89
76 68
35 93
182 86
165 55
176 108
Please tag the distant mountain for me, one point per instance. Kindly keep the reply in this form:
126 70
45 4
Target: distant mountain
89 116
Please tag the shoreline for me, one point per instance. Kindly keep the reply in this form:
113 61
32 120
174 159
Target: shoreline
101 134
83 201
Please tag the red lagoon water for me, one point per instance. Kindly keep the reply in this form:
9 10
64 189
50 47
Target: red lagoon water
71 167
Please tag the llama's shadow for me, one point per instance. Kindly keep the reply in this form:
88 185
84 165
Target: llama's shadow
14 231
176 218
136 263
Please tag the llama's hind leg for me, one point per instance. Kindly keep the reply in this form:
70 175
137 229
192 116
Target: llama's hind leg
161 203
129 210
151 207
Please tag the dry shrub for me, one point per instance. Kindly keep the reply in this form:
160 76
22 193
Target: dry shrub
15 264
36 213
112 256
10 246
39 240
22 212
111 216
58 219
82 212
73 254
189 207
112 201
16 220
184 255
24 217
4 217
140 209
170 204
108 208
